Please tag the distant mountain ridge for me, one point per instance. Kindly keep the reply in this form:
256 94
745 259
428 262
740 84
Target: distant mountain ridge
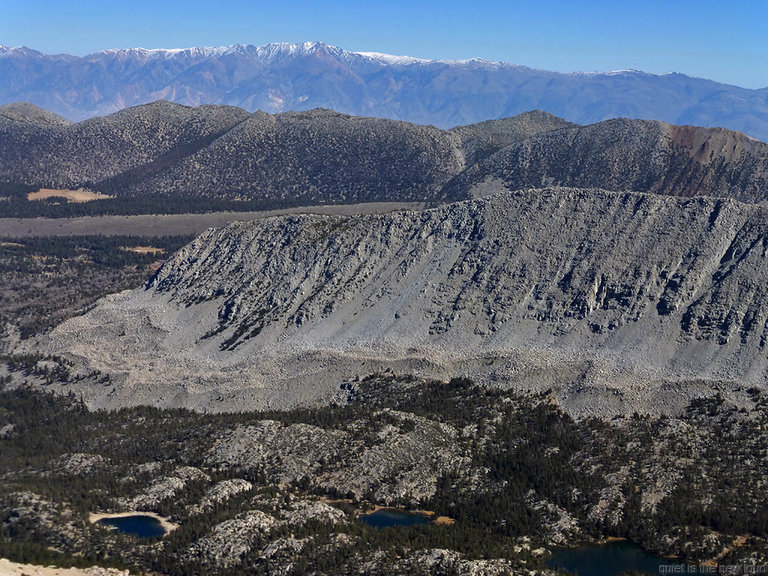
282 77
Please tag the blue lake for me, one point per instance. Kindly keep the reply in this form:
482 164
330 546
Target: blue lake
138 525
388 517
609 559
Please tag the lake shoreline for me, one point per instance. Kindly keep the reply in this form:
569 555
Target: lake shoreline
165 523
430 515
607 558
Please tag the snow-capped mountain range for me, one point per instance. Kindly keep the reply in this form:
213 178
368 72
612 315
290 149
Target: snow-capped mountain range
282 76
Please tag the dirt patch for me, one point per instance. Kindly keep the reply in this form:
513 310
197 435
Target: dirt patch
8 568
708 144
336 501
173 224
738 542
77 196
445 521
144 249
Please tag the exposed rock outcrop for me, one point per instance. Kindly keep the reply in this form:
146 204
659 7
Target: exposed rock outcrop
220 493
164 488
391 466
231 539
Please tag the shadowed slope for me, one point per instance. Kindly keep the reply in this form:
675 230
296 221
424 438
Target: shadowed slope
633 155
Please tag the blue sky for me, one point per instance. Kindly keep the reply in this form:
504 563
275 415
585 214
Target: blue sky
724 41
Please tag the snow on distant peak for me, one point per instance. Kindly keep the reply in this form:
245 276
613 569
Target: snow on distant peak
267 52
278 50
18 50
290 49
392 60
627 72
633 72
200 52
203 51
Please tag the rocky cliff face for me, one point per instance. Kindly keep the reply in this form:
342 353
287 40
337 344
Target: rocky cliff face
619 301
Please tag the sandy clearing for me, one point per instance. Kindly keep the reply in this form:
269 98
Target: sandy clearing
173 224
8 568
77 196
143 249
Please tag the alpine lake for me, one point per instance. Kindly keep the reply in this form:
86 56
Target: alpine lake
390 517
611 559
140 525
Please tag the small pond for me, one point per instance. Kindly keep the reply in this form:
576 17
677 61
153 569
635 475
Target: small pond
139 525
388 517
608 559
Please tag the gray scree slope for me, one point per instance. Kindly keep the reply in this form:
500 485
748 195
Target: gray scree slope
618 301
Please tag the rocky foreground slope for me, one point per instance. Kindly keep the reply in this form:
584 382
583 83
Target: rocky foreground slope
617 301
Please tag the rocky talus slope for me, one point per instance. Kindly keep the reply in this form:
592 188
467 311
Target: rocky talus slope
617 301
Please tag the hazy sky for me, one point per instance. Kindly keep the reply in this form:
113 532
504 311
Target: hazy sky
724 41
